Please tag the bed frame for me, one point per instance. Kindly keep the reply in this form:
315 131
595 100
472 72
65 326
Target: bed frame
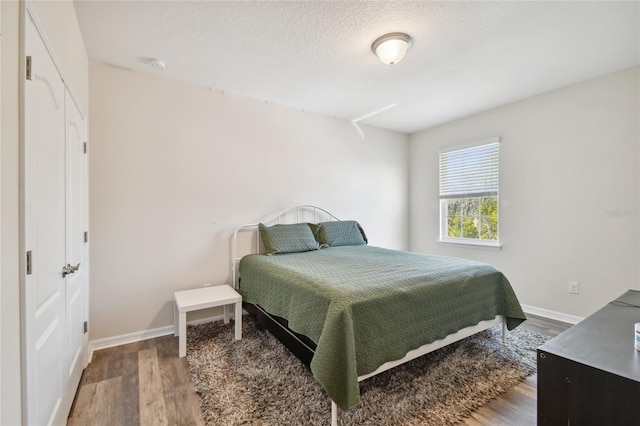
246 240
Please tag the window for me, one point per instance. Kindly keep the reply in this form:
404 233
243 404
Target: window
469 183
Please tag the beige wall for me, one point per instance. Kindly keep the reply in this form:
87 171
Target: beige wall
569 159
60 22
168 159
10 386
9 216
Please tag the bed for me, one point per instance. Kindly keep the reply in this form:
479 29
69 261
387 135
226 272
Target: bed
351 310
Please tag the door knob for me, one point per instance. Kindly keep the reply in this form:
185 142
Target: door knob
69 269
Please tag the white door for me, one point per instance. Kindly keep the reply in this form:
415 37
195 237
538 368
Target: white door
76 282
44 235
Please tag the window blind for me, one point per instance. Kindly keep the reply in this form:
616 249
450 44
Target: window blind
470 172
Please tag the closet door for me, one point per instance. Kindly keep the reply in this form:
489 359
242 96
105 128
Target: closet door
75 283
44 235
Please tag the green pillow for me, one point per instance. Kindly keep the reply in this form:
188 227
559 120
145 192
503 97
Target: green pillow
293 238
341 233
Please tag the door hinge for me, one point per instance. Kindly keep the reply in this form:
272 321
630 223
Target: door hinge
28 67
85 327
86 237
29 263
84 147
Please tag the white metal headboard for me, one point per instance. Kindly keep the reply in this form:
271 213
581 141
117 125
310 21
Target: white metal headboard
298 214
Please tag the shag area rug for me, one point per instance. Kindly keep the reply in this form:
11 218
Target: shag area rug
257 381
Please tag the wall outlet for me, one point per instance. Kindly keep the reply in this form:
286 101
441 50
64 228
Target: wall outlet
574 287
207 285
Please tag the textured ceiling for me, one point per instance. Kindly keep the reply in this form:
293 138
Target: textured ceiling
316 56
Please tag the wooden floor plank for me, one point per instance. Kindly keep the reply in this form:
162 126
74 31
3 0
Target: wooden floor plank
184 397
153 410
181 400
528 387
130 388
83 407
99 404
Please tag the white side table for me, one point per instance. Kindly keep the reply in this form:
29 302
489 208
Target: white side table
202 298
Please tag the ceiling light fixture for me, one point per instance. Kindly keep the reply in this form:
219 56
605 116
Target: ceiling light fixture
391 48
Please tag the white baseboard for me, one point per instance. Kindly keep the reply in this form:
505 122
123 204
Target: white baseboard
136 336
558 316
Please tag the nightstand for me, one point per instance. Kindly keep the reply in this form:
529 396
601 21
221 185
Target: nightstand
203 298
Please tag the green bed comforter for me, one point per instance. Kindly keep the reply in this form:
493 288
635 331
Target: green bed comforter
364 305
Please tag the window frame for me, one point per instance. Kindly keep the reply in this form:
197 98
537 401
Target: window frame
462 241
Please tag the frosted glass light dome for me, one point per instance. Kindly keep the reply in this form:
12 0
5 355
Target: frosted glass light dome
391 48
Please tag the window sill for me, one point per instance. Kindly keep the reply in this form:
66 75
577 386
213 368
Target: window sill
484 245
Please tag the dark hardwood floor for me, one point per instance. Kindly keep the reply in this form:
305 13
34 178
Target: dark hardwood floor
145 383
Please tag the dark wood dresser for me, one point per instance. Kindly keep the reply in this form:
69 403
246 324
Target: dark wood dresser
590 374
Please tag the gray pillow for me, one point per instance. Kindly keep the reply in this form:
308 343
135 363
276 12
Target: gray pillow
341 233
294 238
